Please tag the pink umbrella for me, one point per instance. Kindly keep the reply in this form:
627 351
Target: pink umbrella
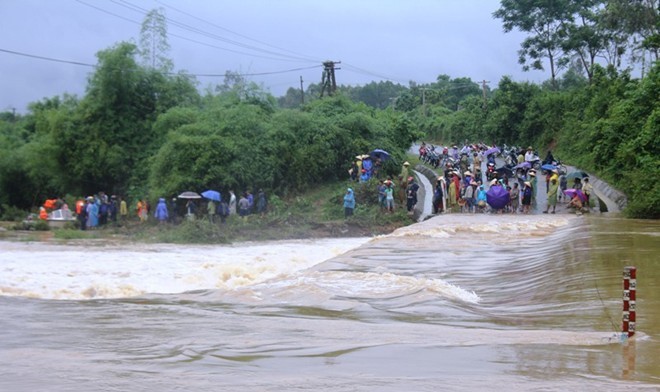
572 192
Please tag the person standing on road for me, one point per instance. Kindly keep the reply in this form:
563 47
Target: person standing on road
553 187
411 194
529 155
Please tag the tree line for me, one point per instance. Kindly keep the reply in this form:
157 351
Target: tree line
140 130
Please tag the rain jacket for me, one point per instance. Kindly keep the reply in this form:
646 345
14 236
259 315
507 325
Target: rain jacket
92 215
481 195
349 199
161 210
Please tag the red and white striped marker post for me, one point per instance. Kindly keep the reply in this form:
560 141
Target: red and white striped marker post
629 296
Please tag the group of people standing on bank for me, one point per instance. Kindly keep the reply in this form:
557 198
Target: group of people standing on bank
100 209
243 206
388 198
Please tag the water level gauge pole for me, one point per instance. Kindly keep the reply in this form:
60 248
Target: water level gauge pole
629 296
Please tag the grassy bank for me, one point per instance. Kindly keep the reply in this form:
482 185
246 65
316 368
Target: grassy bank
314 214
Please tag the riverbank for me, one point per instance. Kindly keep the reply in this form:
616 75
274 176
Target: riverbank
317 213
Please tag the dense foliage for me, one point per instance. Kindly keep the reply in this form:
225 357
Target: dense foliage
142 131
139 132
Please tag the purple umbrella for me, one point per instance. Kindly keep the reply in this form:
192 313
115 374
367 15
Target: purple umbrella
497 197
493 150
523 165
572 192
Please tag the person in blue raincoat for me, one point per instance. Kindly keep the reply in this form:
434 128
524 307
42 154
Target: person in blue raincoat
161 211
92 213
481 198
349 203
367 165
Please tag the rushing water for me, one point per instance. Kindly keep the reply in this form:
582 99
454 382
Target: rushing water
456 302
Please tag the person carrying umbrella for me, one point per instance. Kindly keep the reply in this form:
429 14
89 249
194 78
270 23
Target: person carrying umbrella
576 203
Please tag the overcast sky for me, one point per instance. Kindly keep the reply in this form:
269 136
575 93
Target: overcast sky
397 40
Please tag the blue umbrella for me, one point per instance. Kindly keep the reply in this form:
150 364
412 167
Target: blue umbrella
382 154
212 195
549 167
497 197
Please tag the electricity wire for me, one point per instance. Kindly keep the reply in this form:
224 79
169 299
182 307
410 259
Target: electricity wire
232 32
195 30
167 73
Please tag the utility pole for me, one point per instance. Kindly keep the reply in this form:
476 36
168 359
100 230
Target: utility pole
483 88
328 81
302 91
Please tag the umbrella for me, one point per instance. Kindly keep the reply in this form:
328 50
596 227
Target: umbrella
505 170
189 195
523 165
572 192
497 197
212 195
577 174
493 150
382 154
548 167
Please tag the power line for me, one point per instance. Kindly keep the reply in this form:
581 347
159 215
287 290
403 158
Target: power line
194 30
370 73
47 58
167 73
232 32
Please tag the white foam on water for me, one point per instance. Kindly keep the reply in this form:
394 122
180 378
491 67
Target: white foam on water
49 271
371 285
450 225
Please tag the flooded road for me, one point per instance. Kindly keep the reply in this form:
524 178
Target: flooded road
457 302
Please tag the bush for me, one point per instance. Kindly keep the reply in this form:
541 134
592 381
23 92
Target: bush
12 214
36 225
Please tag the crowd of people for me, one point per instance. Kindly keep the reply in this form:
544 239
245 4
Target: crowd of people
100 209
464 188
464 185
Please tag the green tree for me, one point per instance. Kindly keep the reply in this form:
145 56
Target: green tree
546 22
